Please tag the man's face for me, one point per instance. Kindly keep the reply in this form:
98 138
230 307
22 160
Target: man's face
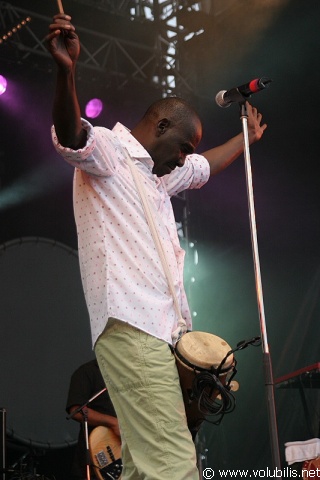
172 145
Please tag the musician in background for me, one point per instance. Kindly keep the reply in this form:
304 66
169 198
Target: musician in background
85 382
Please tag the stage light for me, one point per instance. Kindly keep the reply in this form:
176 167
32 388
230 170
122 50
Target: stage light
3 84
8 35
94 108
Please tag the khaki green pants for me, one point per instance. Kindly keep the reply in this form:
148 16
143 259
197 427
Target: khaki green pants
143 383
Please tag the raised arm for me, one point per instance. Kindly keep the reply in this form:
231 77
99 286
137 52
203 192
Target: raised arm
64 46
222 156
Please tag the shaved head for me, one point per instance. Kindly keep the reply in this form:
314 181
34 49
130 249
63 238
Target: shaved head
169 130
175 109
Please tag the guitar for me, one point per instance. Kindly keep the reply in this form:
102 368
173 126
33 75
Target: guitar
105 452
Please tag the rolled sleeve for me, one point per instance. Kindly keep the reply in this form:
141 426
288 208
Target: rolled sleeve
75 156
100 155
194 174
201 170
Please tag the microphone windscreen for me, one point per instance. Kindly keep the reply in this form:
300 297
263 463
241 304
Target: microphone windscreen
220 101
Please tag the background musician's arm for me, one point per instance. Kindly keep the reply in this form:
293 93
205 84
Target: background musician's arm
96 419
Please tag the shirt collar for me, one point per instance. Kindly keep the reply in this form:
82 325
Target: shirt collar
134 148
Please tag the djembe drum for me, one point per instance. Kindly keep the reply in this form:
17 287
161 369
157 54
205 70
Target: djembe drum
206 366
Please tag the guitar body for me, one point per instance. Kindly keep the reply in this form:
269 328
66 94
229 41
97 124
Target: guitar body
105 451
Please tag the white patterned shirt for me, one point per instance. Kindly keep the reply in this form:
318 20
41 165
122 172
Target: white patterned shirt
121 272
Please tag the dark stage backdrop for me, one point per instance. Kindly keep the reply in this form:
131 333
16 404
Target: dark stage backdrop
36 206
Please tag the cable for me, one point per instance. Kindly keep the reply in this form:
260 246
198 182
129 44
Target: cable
214 398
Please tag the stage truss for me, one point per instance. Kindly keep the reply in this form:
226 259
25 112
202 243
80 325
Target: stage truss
154 59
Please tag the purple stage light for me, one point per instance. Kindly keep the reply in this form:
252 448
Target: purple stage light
94 108
3 84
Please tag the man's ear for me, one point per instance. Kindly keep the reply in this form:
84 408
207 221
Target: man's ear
162 126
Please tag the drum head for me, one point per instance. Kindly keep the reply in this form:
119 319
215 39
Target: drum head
45 336
204 350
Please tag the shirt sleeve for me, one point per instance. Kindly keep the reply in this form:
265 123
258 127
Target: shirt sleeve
99 157
194 174
79 389
86 382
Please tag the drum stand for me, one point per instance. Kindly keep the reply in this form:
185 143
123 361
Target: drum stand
84 411
27 460
201 455
269 383
3 414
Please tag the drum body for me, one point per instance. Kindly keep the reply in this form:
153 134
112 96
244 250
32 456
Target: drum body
311 469
198 353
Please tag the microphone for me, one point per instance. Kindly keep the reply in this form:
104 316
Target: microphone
224 98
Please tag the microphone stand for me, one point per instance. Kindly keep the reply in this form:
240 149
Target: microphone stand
84 410
267 364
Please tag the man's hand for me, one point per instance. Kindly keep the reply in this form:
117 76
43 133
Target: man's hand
62 42
223 155
255 129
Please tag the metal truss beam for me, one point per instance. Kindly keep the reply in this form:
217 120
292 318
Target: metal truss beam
126 8
100 52
155 61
